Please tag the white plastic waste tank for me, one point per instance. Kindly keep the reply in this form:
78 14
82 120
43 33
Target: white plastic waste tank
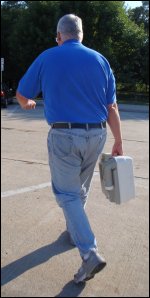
117 179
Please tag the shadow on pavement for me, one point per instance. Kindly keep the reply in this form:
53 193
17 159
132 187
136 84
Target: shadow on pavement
71 290
35 258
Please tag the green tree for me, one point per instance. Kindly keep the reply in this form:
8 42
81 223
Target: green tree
29 27
140 16
10 13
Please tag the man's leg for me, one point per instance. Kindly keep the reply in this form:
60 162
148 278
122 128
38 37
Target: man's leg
66 184
66 171
94 148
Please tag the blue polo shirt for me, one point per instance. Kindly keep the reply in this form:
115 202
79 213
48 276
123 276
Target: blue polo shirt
77 83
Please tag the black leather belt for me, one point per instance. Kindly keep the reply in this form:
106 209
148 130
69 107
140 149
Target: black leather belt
79 125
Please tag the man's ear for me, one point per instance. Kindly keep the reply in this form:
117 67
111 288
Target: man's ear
58 36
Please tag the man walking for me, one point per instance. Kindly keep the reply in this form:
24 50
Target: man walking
79 94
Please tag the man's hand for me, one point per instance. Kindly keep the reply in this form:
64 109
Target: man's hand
25 103
29 105
117 149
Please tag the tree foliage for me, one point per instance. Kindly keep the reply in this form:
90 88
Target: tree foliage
121 35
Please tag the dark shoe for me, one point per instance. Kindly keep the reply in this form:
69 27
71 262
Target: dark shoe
90 267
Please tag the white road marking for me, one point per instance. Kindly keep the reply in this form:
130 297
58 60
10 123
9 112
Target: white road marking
10 193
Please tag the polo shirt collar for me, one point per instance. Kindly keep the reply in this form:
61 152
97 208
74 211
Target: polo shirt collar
71 41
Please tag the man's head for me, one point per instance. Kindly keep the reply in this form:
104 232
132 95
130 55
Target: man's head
69 27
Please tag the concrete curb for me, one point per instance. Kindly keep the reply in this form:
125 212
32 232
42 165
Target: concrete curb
133 108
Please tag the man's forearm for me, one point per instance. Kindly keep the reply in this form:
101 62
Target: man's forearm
115 126
114 122
21 99
24 102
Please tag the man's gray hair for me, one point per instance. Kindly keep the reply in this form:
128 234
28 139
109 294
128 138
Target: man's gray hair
70 26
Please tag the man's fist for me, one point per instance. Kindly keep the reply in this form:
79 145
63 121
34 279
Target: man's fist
117 149
29 105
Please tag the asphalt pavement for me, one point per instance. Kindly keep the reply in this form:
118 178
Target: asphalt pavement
37 258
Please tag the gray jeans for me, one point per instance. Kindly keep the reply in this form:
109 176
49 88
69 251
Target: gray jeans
73 154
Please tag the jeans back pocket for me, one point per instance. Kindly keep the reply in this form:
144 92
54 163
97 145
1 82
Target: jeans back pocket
62 145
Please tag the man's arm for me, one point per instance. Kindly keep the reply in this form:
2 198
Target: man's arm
30 85
115 126
25 103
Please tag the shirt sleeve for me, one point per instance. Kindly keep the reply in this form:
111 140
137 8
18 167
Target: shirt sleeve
30 84
111 90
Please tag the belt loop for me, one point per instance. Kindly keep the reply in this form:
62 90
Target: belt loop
103 125
69 125
87 126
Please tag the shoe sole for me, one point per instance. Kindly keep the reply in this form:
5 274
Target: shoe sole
97 269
